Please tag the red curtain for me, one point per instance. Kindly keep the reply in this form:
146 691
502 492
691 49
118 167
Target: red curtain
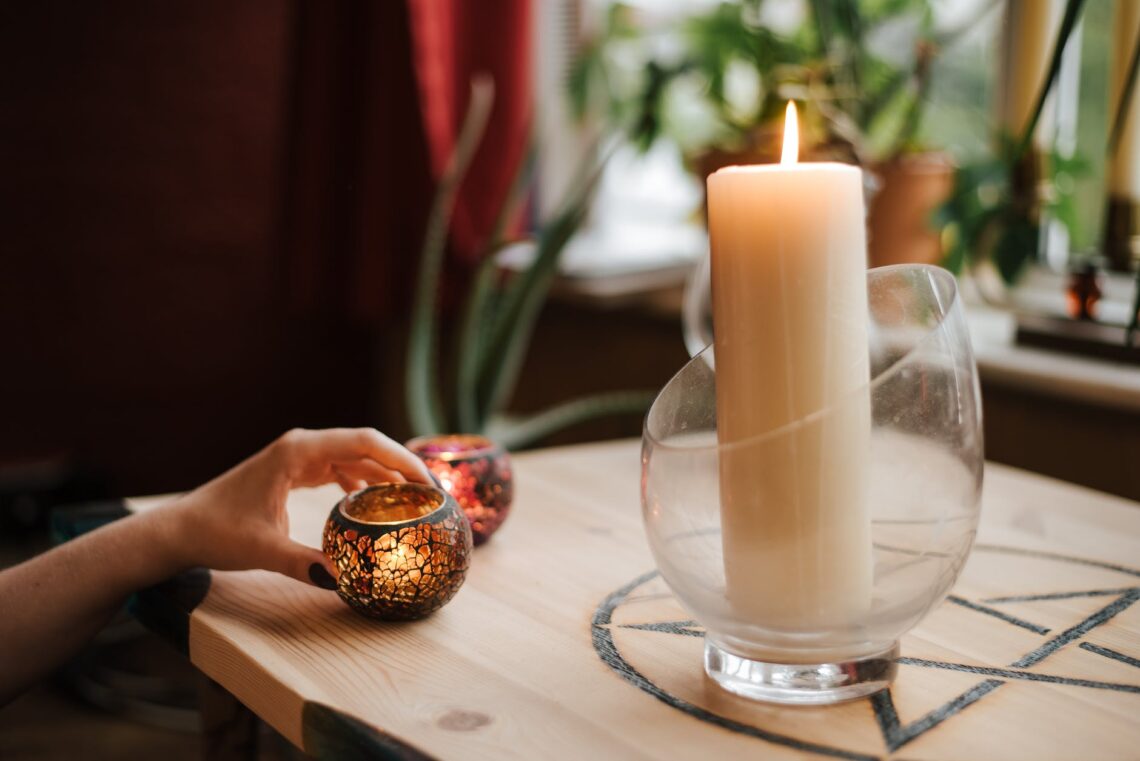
453 40
379 93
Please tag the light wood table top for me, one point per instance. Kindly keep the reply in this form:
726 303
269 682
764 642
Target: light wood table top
564 643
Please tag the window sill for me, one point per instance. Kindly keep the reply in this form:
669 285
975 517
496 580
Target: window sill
1100 382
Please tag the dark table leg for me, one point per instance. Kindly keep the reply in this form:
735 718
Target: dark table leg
229 729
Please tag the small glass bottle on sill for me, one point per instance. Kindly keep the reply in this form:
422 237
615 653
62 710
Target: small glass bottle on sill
1084 291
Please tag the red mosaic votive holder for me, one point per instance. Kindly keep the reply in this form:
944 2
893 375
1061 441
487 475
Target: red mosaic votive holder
474 470
401 550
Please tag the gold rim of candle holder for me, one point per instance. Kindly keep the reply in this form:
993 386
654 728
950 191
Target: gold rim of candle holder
481 446
439 494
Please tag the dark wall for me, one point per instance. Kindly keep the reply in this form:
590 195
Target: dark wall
185 191
1087 444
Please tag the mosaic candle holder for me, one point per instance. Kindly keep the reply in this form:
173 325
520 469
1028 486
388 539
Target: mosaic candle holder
474 470
402 550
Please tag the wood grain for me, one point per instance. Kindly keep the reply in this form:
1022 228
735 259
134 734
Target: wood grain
509 669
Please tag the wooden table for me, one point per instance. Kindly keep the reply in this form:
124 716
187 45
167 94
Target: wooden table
565 644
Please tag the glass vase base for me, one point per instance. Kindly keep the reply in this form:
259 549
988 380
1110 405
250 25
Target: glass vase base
800 683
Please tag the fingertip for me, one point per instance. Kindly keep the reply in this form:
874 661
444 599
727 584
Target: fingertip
298 561
347 482
398 457
320 576
420 473
355 484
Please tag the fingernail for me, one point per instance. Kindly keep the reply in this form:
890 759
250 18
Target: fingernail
319 576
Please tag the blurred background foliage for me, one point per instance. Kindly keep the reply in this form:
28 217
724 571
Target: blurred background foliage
876 78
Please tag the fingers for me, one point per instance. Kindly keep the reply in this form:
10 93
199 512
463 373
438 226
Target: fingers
391 455
315 456
370 471
357 475
303 563
347 482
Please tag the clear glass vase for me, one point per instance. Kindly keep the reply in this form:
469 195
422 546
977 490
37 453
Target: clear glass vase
857 518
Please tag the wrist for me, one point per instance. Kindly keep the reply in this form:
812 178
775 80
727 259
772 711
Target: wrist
170 536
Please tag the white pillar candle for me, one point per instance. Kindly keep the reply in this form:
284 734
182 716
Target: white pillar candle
1124 164
788 253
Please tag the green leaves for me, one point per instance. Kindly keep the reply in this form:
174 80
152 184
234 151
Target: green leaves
498 317
979 198
1017 244
591 82
523 432
421 389
867 101
471 344
988 213
983 218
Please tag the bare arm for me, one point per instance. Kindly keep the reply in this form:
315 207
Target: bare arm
53 603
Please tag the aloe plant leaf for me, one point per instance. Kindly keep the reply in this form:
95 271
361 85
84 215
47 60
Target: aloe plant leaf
576 199
520 305
534 428
516 196
526 297
473 338
478 317
421 380
470 342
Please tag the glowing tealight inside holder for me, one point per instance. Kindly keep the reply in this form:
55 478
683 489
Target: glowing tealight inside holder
474 470
402 550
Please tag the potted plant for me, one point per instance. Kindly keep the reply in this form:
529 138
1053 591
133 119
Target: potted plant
717 83
992 218
498 317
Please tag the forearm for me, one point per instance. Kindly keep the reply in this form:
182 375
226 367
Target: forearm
50 605
55 602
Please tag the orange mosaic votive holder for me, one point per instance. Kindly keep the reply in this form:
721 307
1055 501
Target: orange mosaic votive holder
474 470
402 550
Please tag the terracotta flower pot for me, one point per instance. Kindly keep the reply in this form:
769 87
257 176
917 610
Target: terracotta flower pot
898 224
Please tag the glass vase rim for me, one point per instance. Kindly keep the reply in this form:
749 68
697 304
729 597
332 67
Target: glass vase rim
445 499
485 446
934 271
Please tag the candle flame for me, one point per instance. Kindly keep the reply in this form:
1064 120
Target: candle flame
791 136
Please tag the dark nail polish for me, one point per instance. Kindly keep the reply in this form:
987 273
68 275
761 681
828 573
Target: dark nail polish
319 576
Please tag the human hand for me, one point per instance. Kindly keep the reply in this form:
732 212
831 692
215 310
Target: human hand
238 521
